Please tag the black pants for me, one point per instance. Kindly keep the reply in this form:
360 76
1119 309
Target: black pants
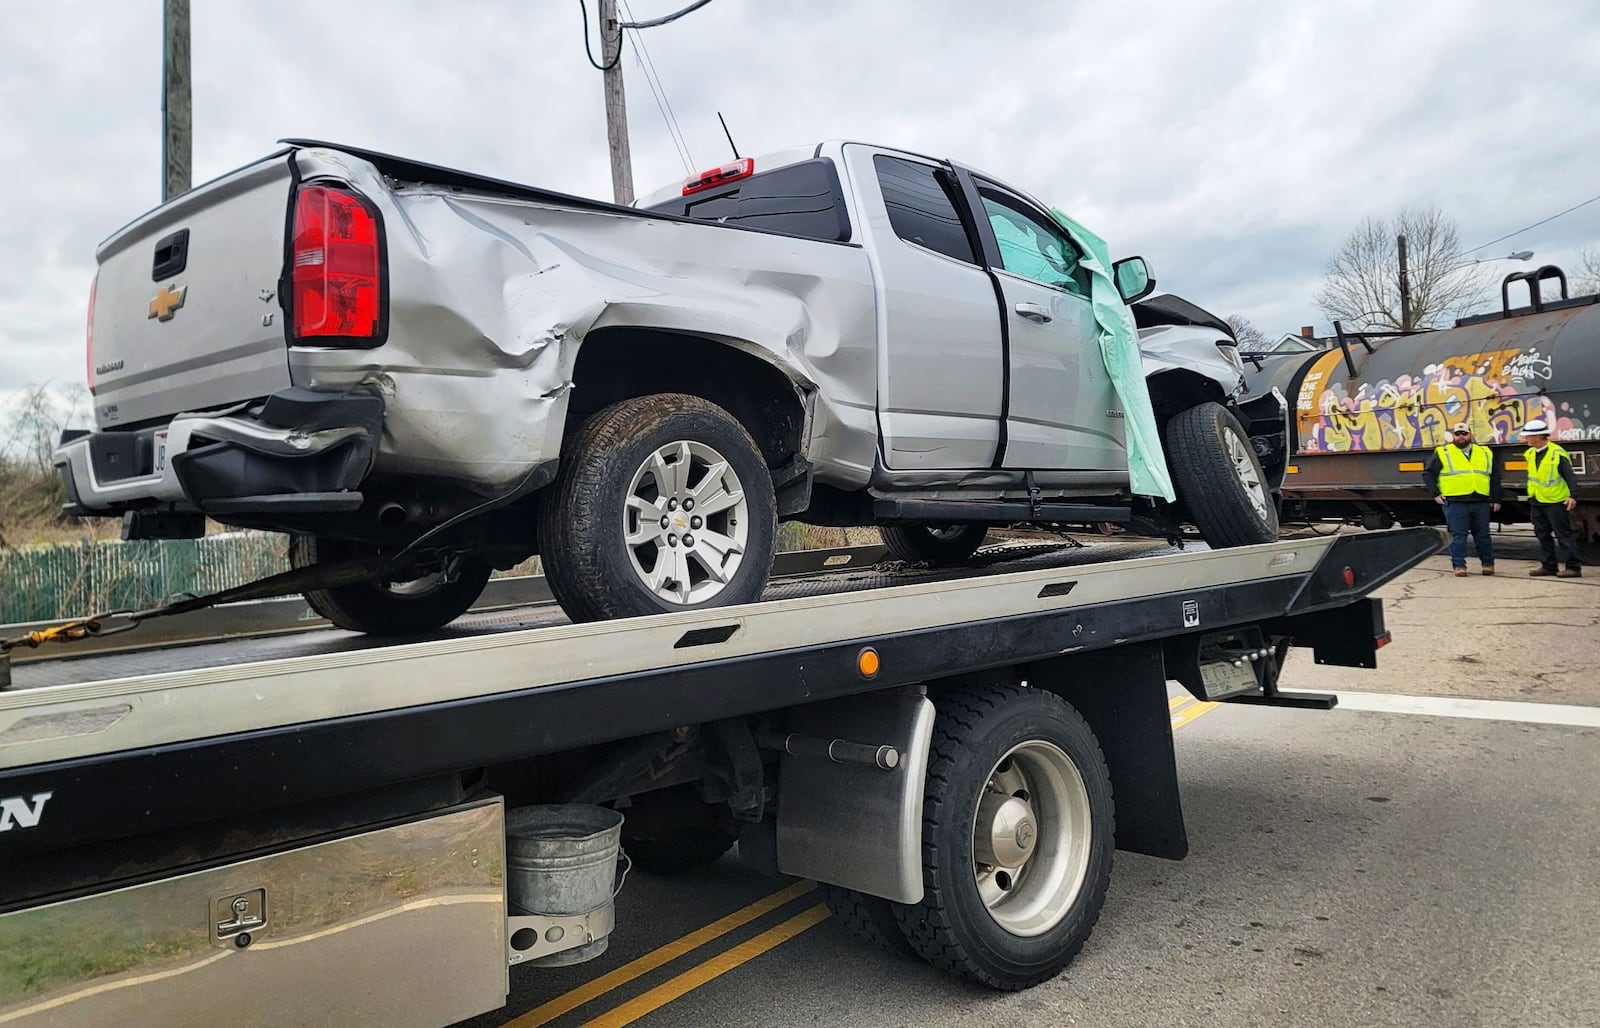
1554 529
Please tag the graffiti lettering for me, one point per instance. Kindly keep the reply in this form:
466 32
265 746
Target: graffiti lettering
1495 393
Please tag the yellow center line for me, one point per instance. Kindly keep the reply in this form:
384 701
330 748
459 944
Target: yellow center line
717 966
1174 702
567 1001
1200 709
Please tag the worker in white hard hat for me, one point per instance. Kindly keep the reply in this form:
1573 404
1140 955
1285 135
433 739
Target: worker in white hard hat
1465 480
1550 488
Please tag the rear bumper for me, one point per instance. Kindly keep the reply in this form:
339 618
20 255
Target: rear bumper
298 451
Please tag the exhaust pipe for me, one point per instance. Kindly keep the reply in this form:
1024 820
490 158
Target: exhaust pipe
393 515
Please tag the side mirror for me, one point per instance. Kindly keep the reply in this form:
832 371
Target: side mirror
1133 279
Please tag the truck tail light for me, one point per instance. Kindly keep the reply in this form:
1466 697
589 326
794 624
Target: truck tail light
88 336
337 272
714 177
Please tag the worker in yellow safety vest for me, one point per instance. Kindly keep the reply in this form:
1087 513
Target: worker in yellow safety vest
1465 480
1550 486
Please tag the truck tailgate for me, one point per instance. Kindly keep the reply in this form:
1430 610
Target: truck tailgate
186 314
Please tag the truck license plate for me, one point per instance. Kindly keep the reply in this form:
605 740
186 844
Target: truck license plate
1221 678
161 451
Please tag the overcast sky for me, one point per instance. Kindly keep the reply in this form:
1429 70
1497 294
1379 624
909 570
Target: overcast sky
1233 149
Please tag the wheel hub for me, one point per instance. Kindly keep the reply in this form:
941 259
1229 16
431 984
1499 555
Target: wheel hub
685 523
1011 833
1031 837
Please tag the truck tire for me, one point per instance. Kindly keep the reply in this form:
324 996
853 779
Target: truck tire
938 545
1218 477
869 918
673 830
663 504
389 608
1017 830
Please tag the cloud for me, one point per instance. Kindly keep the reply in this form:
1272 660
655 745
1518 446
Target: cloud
1232 146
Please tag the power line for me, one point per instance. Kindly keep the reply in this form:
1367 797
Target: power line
653 22
588 51
658 89
1536 224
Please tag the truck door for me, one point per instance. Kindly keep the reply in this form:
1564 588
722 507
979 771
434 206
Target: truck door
1063 412
941 364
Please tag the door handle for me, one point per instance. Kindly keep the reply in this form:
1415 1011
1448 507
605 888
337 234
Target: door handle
1033 312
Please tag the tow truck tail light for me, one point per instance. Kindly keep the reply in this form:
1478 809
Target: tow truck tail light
88 336
337 269
713 177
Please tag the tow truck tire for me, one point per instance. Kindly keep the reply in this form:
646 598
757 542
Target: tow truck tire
673 830
595 522
938 545
1219 478
869 918
1003 757
377 608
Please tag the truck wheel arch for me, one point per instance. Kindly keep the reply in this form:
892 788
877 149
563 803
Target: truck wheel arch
620 363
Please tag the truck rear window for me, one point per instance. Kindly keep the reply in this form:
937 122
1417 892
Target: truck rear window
921 209
802 199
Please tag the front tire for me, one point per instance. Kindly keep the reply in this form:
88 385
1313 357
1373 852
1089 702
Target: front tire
939 545
1017 830
1219 478
663 504
392 607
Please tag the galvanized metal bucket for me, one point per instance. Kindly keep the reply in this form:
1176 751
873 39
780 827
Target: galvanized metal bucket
561 860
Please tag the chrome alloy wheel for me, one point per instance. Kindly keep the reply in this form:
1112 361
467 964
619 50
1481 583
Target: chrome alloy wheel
685 523
1031 838
1244 466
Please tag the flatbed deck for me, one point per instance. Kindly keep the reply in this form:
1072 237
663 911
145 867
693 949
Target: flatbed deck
139 742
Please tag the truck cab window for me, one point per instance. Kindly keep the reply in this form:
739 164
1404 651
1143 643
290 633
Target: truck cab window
1032 246
921 210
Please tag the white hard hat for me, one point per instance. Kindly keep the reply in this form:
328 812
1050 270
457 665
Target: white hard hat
1536 427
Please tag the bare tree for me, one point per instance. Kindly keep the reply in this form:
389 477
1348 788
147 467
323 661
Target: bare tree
1587 280
1362 284
1249 338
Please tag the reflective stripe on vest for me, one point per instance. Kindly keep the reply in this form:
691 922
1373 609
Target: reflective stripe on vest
1464 474
1545 484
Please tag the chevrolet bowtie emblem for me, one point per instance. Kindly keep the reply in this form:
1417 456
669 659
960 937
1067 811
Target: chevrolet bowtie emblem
167 301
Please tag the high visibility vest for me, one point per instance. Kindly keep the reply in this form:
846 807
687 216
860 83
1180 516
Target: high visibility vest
1464 474
1545 484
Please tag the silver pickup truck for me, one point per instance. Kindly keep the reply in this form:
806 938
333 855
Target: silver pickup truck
407 364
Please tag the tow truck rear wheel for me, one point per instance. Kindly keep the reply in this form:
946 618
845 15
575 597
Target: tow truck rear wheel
869 918
389 607
663 504
1219 478
933 544
673 830
1017 829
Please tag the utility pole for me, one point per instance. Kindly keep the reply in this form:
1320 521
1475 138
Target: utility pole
177 118
1405 289
616 103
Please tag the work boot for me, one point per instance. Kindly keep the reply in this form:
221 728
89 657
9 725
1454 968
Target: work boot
1569 573
1541 572
1461 572
1488 569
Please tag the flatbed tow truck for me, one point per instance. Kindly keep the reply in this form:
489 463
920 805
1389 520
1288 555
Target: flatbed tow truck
316 827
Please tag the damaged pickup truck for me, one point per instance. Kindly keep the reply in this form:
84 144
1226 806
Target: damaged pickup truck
388 359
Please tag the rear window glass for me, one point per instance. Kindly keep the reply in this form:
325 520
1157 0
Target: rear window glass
802 199
921 210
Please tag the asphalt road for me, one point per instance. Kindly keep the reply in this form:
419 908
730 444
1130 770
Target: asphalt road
1352 867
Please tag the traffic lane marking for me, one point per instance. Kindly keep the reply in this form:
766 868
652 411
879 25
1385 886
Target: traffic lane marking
709 970
661 955
1486 710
